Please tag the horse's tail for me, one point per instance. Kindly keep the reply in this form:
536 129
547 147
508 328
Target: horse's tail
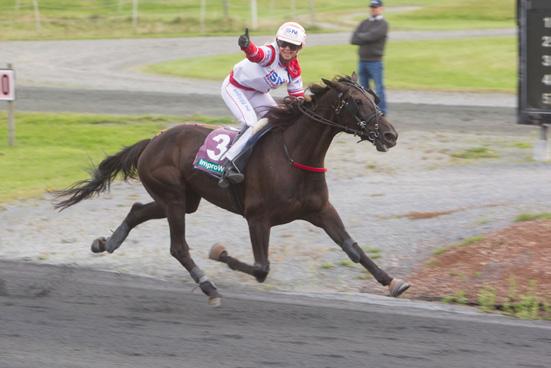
126 161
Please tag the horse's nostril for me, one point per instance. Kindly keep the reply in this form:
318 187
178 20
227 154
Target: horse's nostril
390 136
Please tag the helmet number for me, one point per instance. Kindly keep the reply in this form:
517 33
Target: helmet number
223 141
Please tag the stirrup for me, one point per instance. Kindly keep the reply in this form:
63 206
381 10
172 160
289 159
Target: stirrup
223 182
235 177
230 175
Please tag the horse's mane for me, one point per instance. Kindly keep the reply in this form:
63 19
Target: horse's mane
284 115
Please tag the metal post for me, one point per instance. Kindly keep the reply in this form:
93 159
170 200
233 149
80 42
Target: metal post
312 7
202 15
11 123
254 15
226 9
135 14
11 119
37 24
541 149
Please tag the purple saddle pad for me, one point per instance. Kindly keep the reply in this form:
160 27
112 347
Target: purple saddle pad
209 157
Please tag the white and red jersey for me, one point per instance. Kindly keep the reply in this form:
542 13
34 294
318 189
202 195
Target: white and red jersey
263 71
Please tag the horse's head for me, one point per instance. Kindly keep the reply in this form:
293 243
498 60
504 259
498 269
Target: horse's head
357 113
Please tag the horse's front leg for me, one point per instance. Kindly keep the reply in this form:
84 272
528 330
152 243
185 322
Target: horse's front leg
260 239
179 249
329 220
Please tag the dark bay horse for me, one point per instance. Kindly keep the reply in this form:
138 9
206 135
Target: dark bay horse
278 186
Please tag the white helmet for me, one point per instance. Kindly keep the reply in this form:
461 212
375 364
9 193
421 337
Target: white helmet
291 32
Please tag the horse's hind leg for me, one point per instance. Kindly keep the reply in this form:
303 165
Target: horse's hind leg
138 214
329 220
260 238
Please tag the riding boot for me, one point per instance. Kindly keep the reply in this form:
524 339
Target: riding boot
237 155
231 175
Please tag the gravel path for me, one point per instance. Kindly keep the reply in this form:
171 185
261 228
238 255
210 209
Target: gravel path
376 194
112 65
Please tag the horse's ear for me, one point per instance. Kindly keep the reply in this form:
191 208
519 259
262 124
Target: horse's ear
354 77
327 82
336 85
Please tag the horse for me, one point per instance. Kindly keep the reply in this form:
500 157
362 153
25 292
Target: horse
284 179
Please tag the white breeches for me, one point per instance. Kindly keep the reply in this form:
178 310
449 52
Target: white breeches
247 106
236 148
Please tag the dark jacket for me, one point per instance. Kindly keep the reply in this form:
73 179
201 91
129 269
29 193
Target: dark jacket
371 35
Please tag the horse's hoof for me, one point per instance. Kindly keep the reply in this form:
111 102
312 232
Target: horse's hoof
397 287
217 251
215 302
98 245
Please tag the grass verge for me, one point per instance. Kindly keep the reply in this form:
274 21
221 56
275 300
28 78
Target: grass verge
67 19
481 64
54 150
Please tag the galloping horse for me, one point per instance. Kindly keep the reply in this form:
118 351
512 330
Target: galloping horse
279 185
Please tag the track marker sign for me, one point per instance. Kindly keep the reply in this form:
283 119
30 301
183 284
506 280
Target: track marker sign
534 83
7 93
7 85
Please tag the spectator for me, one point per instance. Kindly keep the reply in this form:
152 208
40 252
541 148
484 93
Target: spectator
370 36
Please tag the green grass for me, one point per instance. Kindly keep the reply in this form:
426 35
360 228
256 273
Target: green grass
346 263
54 150
113 18
458 297
480 64
465 243
533 216
475 153
452 14
327 266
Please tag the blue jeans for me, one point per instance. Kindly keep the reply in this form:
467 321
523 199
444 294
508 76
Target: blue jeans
373 70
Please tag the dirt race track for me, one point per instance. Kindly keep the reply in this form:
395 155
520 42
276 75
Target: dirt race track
376 195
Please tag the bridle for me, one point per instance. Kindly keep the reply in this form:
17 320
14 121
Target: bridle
367 129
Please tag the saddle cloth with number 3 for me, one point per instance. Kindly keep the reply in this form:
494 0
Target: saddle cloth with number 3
210 157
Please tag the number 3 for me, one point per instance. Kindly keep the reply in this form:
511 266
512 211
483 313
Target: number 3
223 140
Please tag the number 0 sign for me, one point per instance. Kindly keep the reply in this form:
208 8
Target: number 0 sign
7 85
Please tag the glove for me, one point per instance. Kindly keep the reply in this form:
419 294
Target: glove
244 40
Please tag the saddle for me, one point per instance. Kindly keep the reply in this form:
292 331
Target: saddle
210 156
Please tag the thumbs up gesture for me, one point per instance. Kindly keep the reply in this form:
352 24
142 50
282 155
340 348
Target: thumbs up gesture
244 40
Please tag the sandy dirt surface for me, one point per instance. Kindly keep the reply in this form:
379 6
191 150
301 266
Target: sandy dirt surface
379 197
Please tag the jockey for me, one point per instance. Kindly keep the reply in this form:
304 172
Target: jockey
246 89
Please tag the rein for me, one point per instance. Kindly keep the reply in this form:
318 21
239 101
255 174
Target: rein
362 131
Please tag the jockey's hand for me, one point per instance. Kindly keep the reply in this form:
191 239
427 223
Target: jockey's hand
244 40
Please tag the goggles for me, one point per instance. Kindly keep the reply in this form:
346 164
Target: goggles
291 46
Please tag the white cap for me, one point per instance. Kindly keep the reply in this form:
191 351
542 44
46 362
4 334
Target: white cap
291 32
